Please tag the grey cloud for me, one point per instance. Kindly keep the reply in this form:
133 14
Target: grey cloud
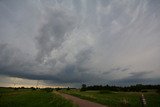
17 66
74 72
75 41
125 69
83 56
135 75
130 81
52 34
13 60
116 69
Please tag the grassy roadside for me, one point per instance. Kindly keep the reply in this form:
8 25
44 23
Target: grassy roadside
117 99
32 98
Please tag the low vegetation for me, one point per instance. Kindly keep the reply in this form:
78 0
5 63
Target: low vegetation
118 99
31 98
112 96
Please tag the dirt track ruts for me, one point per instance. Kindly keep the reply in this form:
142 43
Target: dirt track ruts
81 102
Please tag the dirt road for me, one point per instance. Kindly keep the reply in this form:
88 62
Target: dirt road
81 102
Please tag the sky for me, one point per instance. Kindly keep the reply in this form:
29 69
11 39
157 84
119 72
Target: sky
72 42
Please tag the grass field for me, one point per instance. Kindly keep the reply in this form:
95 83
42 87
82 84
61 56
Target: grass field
40 98
31 98
117 99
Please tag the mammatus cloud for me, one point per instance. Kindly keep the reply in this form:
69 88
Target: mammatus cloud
77 41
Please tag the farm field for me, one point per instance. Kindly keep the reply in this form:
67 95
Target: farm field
118 99
31 98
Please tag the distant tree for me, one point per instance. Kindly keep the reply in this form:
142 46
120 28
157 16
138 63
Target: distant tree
48 89
57 89
22 87
132 88
16 89
33 88
68 88
84 87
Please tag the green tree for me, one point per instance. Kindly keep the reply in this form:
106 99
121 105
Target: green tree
84 87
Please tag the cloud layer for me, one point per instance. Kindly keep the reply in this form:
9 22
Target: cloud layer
77 41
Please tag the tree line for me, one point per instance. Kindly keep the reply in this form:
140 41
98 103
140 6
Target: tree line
133 88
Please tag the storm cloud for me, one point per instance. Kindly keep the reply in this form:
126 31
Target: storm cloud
77 41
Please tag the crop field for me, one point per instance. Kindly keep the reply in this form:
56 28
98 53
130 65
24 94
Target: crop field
118 99
31 98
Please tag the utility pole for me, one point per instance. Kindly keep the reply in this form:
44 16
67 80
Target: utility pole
14 83
37 84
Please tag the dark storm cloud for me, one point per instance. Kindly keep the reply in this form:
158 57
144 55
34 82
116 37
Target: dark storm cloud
116 69
78 41
13 61
137 77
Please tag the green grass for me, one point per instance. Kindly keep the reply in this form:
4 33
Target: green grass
116 99
31 98
153 99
